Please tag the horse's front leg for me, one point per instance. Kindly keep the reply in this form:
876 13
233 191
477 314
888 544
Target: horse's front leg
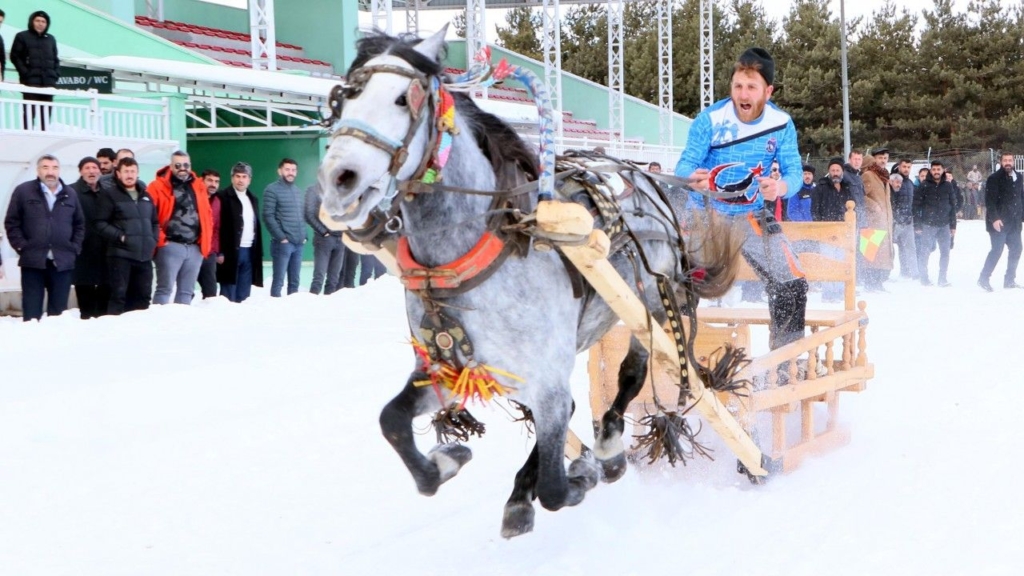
555 488
444 461
518 517
608 446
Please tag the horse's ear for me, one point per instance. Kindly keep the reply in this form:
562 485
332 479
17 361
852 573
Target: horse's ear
431 47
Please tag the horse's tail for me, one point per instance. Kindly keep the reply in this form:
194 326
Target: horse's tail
713 246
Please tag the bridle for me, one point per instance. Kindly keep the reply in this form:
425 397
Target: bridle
421 99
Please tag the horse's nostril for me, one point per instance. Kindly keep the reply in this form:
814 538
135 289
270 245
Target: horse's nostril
346 179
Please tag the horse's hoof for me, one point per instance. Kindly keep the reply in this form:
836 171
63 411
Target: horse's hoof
613 468
584 472
449 459
518 520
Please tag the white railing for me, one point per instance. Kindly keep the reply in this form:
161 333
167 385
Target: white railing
84 113
638 152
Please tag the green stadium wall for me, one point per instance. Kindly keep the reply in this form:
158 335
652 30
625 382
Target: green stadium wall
263 154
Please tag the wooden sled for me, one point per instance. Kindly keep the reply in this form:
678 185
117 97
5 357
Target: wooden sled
830 359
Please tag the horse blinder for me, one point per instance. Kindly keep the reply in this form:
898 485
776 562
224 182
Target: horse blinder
415 98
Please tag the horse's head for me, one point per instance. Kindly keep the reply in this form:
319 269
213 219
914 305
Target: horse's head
381 124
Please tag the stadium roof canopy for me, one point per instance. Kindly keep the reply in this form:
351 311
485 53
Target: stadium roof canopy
257 95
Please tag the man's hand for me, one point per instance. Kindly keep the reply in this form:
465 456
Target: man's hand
285 241
700 179
220 259
998 225
768 187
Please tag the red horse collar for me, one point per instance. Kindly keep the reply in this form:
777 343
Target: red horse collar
478 260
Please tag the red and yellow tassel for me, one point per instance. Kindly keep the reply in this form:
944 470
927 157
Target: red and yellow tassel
474 381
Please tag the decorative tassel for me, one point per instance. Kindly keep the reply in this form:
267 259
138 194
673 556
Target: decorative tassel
665 439
474 381
728 361
453 424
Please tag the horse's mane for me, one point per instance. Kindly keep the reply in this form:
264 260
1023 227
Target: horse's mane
499 142
378 44
496 139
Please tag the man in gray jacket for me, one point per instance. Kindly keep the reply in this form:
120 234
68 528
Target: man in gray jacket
282 215
328 251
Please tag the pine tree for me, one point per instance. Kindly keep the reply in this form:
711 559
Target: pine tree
881 88
808 76
747 26
585 42
520 33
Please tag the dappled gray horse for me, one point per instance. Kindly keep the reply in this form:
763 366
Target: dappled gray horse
491 314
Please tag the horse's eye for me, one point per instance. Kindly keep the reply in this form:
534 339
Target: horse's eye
401 101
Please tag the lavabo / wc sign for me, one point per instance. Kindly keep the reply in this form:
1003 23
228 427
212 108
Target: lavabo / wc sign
81 79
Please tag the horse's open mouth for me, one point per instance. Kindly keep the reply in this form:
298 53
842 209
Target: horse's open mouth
346 179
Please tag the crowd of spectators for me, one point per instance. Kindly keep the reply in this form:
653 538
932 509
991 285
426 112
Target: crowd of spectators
113 236
909 217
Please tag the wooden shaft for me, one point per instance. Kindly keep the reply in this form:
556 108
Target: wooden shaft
591 260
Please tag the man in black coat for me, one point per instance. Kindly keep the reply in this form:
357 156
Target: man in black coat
828 204
91 265
833 191
1004 210
241 237
34 55
45 226
934 221
127 220
3 54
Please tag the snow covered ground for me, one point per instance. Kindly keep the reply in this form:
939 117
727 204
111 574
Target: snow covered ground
243 439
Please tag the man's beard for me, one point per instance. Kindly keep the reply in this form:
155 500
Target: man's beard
837 179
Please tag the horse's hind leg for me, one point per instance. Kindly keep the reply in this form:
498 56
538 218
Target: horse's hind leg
443 461
555 488
608 446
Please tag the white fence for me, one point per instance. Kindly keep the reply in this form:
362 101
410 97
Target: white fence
637 152
84 113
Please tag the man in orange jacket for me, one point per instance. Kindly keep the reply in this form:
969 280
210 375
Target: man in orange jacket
186 229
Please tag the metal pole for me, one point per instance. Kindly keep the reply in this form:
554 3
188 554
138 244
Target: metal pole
262 35
665 128
552 43
615 82
412 17
846 81
707 53
476 29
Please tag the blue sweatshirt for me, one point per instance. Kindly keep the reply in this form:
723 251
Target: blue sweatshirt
738 153
799 207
